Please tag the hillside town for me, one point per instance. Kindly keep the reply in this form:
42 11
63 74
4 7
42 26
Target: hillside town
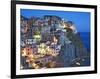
50 42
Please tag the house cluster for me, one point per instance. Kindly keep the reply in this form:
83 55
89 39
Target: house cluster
42 40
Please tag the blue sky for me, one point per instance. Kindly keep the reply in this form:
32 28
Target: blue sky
80 19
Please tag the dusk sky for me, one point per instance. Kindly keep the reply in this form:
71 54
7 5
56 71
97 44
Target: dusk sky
80 19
